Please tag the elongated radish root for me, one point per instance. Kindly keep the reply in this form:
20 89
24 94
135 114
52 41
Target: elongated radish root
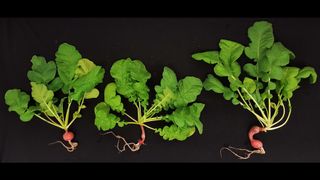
68 137
256 144
132 146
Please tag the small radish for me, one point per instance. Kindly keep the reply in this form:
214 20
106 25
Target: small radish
131 145
256 144
68 136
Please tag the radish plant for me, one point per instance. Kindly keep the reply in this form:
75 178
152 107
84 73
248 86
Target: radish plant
75 76
268 85
176 97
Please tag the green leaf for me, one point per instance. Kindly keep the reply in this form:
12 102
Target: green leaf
276 73
28 114
235 69
261 37
42 72
40 93
165 93
86 83
112 99
230 51
235 101
56 84
188 116
277 57
17 100
84 66
212 83
94 93
272 85
221 70
210 57
228 94
60 107
234 83
250 69
289 83
169 80
131 77
249 84
104 120
67 58
188 90
174 132
76 115
308 72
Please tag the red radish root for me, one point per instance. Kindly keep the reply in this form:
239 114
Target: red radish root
256 144
68 137
132 146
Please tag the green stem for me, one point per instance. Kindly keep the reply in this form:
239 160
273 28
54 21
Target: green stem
55 115
52 123
154 106
68 112
283 115
276 112
130 117
135 104
244 101
269 105
260 119
48 117
139 110
152 119
285 122
149 127
262 112
142 125
249 102
78 112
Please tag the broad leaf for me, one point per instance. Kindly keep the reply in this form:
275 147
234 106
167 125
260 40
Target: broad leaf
188 90
230 51
84 67
261 37
42 72
165 93
56 84
212 83
40 93
131 77
86 83
104 119
67 58
112 99
308 72
210 57
188 116
17 100
174 132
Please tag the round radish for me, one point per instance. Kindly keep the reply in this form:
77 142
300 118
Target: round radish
68 136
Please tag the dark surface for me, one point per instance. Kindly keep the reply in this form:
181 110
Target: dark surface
157 42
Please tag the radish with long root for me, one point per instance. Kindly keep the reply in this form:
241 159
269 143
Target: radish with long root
130 82
75 76
267 88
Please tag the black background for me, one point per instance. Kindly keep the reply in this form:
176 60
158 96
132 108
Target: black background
158 42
